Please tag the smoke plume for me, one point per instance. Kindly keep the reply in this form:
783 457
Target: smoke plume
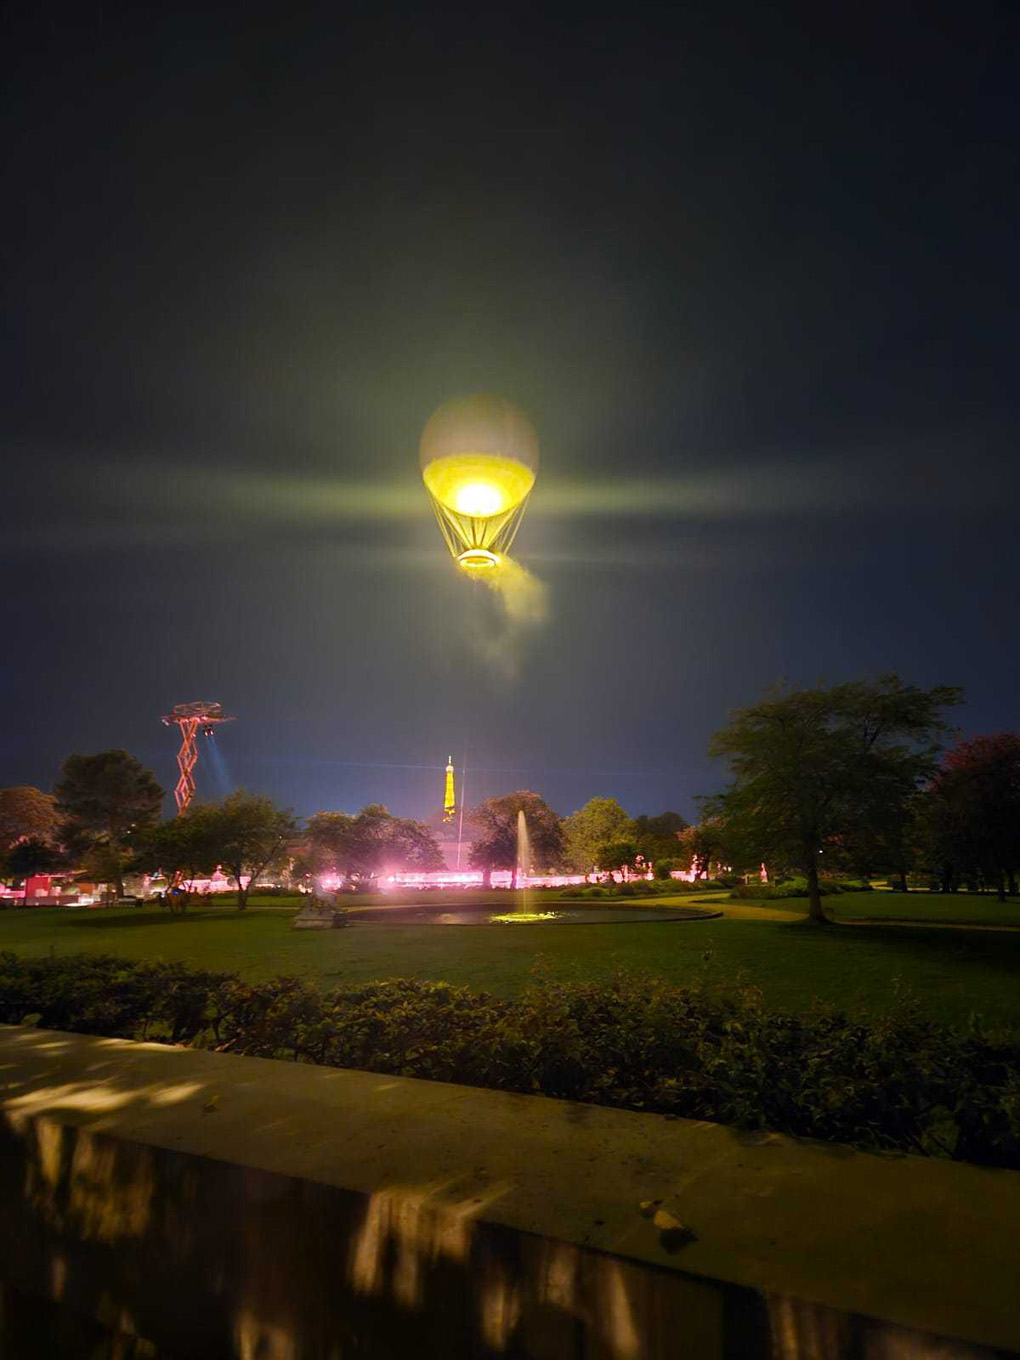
522 602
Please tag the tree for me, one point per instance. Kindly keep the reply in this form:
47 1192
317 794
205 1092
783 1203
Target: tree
586 831
30 857
249 834
327 847
658 837
107 797
618 854
26 812
888 844
973 820
363 846
496 844
182 849
102 861
379 841
812 766
413 848
699 845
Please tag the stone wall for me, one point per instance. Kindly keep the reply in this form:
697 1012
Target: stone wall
188 1204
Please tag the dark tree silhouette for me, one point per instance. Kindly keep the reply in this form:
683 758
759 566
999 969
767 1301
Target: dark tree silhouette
811 767
108 797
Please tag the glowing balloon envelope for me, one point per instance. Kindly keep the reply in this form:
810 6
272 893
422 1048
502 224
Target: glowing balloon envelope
479 459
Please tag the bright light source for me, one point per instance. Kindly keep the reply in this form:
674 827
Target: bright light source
478 498
478 484
479 456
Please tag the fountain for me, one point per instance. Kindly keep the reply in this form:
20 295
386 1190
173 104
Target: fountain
522 871
523 860
480 912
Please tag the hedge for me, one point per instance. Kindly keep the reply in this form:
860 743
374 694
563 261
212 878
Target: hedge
895 1082
798 887
636 887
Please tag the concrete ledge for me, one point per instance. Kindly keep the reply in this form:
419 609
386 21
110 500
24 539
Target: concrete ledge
216 1205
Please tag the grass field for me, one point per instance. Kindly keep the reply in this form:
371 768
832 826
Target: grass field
952 973
969 909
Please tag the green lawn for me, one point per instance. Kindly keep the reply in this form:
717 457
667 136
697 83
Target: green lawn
952 972
947 908
970 909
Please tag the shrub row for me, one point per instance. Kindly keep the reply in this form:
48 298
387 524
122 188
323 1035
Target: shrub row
798 887
638 887
703 1051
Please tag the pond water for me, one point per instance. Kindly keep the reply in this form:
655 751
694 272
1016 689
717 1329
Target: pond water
411 915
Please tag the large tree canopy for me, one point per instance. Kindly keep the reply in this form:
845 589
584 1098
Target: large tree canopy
700 846
812 768
28 857
108 794
495 821
184 848
249 834
374 841
26 811
620 854
106 797
658 837
586 833
327 844
973 813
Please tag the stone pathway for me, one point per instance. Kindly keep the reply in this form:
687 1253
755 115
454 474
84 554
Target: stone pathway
741 911
738 912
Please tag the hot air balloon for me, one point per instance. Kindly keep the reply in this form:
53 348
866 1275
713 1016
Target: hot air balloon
479 458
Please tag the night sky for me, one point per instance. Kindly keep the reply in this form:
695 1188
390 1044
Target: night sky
751 271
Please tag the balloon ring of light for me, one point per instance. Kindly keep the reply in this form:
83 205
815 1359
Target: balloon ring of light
478 559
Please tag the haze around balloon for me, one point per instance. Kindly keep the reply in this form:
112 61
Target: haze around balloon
479 461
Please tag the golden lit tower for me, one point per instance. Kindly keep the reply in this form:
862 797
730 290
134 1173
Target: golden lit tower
449 796
479 457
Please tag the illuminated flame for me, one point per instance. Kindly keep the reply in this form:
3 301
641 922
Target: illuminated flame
479 498
479 456
478 484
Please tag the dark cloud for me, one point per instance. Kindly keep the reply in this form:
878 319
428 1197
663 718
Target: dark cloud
750 271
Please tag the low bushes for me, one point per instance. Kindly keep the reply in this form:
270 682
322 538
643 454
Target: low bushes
704 1051
107 995
773 892
797 887
635 887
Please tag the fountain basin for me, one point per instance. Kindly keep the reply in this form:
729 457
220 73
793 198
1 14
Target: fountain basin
483 914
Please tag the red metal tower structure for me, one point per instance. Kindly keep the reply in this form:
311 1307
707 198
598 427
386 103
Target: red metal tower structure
192 718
